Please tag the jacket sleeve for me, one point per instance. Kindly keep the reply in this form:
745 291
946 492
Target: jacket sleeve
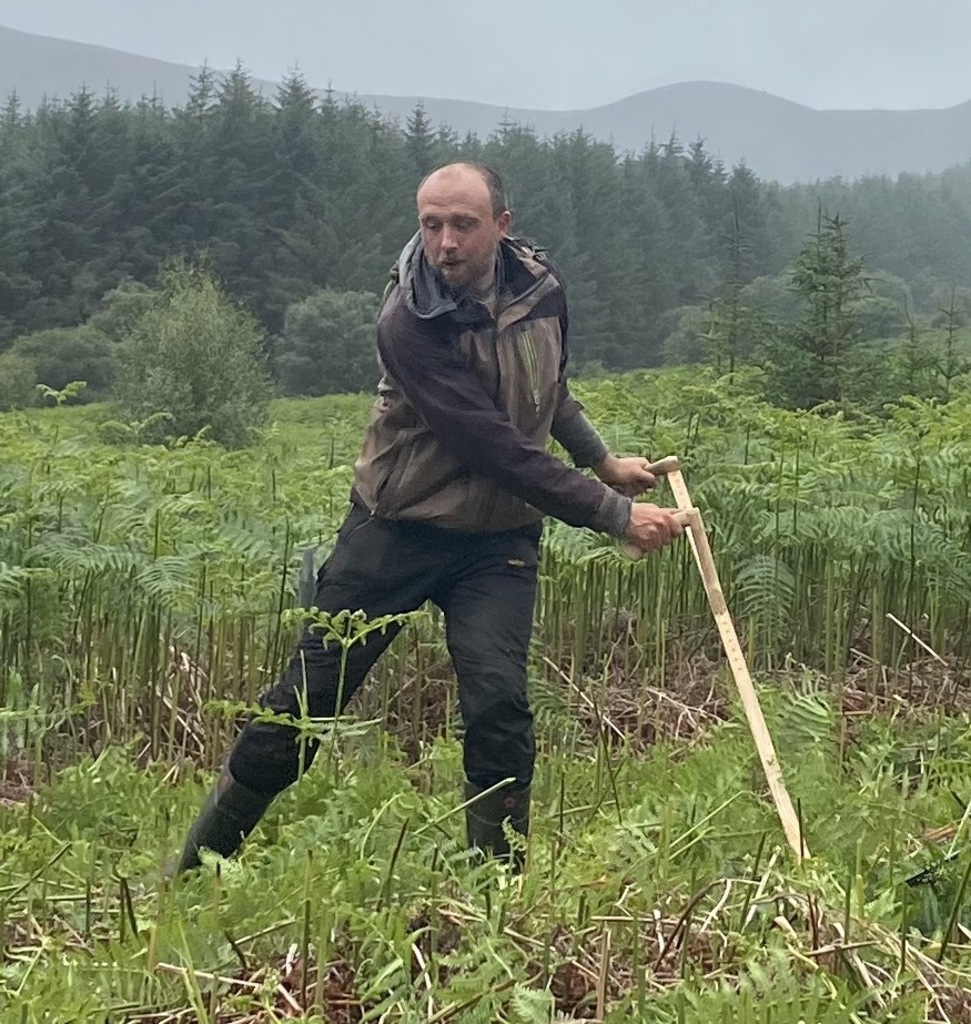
574 431
571 428
468 424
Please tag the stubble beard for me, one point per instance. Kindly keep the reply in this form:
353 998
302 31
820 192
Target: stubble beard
469 279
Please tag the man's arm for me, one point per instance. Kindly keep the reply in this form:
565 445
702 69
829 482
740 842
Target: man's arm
575 433
649 527
468 424
571 428
630 476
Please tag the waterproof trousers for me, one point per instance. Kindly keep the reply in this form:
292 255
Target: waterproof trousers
485 584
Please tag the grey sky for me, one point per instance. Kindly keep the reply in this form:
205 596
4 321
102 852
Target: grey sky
570 54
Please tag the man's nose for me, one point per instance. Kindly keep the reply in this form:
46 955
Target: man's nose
449 238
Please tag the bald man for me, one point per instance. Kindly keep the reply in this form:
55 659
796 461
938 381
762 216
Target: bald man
450 490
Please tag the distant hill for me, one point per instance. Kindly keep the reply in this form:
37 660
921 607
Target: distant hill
778 139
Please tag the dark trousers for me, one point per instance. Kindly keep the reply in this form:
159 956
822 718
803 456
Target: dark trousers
486 587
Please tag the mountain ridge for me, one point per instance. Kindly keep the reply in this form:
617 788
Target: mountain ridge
778 138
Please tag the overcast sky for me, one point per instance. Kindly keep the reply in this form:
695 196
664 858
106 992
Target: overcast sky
555 55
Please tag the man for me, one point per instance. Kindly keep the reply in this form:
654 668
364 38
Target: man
449 492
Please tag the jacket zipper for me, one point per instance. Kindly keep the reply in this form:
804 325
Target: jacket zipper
532 363
532 367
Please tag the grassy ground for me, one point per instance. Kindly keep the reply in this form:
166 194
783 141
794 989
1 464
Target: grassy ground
141 594
659 886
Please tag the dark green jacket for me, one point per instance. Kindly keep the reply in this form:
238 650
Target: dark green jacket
467 404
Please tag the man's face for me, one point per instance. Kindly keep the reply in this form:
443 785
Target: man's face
458 228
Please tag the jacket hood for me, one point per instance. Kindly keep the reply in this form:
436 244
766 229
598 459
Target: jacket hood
427 296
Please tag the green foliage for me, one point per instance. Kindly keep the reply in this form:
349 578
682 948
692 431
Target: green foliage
810 365
950 359
328 344
734 332
147 594
294 195
120 309
530 1006
363 874
951 306
196 358
62 355
879 316
775 296
686 342
826 335
17 380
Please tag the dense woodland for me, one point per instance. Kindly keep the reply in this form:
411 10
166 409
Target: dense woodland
299 206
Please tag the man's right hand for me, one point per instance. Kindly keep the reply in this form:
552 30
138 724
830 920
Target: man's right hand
651 527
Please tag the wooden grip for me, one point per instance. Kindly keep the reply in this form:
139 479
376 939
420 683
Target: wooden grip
664 466
686 517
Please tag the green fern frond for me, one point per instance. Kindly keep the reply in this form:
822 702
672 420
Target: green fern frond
532 1006
171 580
805 717
14 580
71 556
765 589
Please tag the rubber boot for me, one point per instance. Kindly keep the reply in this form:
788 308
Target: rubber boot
229 814
484 821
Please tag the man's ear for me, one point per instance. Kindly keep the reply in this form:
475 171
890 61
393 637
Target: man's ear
502 223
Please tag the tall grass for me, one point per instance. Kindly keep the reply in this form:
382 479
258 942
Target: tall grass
143 594
138 586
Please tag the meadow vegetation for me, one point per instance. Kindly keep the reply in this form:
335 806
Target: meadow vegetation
148 592
177 269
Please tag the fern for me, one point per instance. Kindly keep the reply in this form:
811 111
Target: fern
171 580
765 590
14 580
532 1006
807 718
71 556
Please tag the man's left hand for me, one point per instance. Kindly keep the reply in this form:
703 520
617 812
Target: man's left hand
629 476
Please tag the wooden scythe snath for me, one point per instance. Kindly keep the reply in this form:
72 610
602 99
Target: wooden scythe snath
690 518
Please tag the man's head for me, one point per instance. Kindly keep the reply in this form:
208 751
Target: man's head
462 216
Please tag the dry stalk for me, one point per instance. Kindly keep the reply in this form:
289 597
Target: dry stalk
239 983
